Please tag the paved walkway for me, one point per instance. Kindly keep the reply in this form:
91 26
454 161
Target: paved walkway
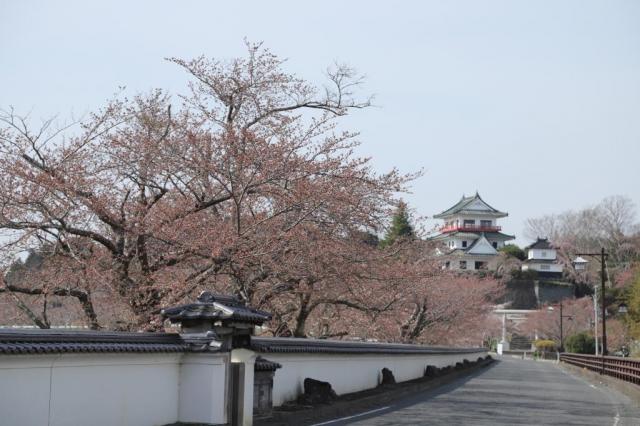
510 392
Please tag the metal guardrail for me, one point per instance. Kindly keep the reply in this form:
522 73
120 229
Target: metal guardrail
627 369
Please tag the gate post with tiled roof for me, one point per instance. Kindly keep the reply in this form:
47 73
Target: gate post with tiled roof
227 322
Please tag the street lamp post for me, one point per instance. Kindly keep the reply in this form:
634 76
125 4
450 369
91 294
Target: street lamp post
562 317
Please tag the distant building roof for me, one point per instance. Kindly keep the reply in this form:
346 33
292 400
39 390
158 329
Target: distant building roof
541 244
481 246
473 205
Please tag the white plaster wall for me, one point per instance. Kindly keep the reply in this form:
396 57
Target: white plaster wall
100 389
24 389
538 254
114 389
350 372
89 389
553 267
203 395
457 243
477 218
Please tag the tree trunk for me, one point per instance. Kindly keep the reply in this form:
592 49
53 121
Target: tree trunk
303 314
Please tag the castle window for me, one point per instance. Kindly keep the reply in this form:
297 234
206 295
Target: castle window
485 223
495 244
463 264
464 244
481 266
544 267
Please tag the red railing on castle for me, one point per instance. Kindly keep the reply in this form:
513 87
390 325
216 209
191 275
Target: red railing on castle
627 369
471 228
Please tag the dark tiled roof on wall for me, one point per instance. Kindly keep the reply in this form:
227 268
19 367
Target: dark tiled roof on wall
300 345
214 307
263 364
55 341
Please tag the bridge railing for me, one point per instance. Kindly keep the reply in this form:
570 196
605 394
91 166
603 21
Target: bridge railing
627 369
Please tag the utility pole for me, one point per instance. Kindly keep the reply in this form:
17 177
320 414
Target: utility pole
603 278
561 331
595 315
562 317
604 311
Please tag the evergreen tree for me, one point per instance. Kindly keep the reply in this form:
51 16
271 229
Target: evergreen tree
400 226
514 251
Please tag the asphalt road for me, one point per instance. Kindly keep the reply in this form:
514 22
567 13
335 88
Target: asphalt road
510 392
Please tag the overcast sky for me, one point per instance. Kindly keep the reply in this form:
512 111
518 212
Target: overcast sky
534 104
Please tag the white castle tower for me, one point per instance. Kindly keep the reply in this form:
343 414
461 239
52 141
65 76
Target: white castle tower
471 236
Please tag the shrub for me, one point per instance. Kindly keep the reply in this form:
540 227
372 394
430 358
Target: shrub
491 343
543 345
580 343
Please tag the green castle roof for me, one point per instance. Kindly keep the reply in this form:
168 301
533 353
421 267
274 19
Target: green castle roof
465 206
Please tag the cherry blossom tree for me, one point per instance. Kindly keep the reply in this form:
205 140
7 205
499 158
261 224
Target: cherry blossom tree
611 224
243 186
70 291
224 190
545 323
427 304
446 308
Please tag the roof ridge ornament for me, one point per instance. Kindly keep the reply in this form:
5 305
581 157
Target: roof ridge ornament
209 297
206 297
